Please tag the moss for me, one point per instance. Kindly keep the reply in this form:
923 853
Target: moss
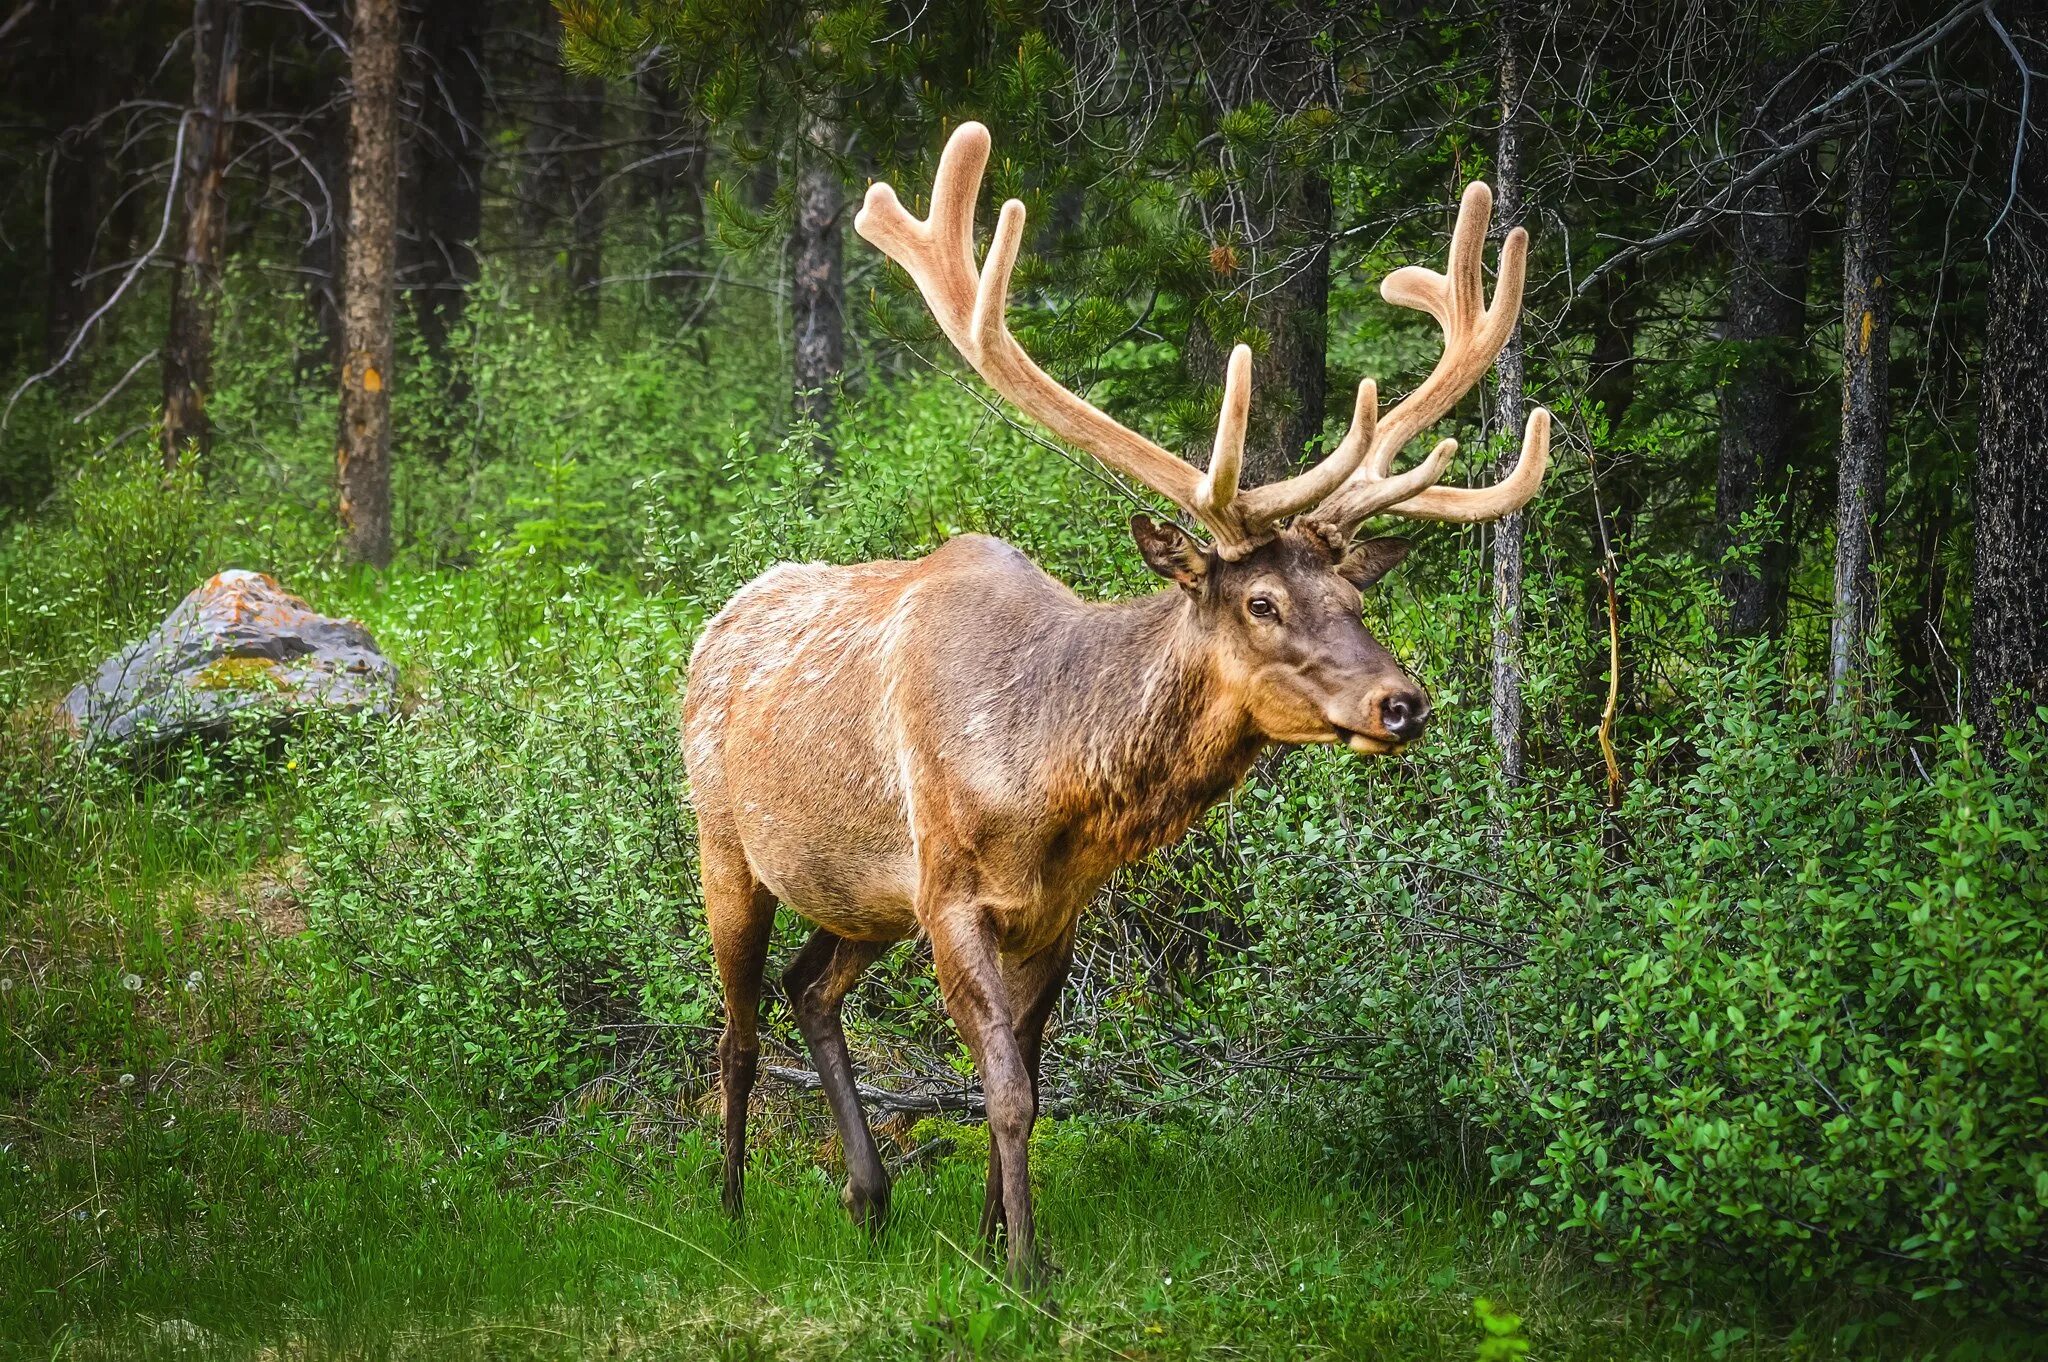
242 673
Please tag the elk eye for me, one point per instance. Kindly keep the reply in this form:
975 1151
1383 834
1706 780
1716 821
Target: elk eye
1262 607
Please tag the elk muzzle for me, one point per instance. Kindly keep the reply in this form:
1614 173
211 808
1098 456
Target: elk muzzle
1386 719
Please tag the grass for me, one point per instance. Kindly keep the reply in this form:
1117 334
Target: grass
179 1178
353 1236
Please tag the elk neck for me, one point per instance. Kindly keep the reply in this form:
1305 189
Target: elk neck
1150 732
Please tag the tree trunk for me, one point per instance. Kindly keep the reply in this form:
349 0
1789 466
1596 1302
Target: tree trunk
671 184
364 471
1765 327
195 278
584 164
446 192
817 284
1866 405
2009 579
75 189
1510 534
1272 258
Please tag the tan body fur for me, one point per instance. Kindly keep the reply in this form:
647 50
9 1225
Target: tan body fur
847 726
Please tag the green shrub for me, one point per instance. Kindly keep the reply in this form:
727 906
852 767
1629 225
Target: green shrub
1800 1030
1768 1022
502 883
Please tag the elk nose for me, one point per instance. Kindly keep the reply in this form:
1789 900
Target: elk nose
1404 715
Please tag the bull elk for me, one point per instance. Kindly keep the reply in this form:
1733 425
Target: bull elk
963 748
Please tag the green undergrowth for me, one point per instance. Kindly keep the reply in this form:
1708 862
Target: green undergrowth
173 1232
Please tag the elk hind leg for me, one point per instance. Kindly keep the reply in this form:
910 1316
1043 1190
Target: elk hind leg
741 913
1033 984
817 983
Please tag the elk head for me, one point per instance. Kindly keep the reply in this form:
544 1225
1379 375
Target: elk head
1278 601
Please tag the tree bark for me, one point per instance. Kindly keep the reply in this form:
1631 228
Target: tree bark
195 278
1866 405
817 284
1272 263
671 184
584 164
364 463
2009 577
73 36
438 260
1510 533
1765 327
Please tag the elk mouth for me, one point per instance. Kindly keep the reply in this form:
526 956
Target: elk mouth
1365 744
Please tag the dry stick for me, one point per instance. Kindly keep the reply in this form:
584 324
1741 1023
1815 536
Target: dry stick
115 391
162 231
1609 569
1613 686
1703 215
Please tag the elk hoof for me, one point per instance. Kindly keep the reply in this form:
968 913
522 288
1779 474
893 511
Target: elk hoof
867 1203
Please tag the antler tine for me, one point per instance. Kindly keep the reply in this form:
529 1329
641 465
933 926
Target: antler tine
1218 487
969 304
1474 332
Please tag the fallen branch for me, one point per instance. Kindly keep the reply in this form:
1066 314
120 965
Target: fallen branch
968 1100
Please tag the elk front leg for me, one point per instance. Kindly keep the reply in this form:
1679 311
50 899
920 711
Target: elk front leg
971 978
1034 985
817 983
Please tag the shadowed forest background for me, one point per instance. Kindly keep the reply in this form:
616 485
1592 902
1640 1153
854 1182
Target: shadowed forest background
1684 994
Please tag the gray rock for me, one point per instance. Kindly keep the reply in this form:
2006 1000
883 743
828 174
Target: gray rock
241 645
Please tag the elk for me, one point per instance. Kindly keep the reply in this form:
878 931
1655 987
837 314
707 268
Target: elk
962 748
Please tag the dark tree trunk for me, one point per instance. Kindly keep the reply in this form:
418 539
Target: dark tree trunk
1924 655
364 464
817 290
1510 533
324 255
671 184
445 199
1866 404
1766 328
583 161
2009 579
1273 264
76 191
195 278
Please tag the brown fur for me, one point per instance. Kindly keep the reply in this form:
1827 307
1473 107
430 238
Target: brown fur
961 747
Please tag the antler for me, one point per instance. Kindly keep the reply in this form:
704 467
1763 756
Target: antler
938 253
1473 334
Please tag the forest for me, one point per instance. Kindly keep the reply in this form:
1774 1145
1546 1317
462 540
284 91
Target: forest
394 392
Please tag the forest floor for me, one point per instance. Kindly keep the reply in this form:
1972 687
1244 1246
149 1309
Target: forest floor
352 1236
176 1180
225 1204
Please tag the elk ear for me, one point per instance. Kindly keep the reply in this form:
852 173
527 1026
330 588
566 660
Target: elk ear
1171 552
1369 560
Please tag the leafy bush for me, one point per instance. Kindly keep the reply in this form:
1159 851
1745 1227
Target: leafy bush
502 883
1769 1019
1800 1029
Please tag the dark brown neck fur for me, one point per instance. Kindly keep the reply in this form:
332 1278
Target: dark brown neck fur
1155 737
